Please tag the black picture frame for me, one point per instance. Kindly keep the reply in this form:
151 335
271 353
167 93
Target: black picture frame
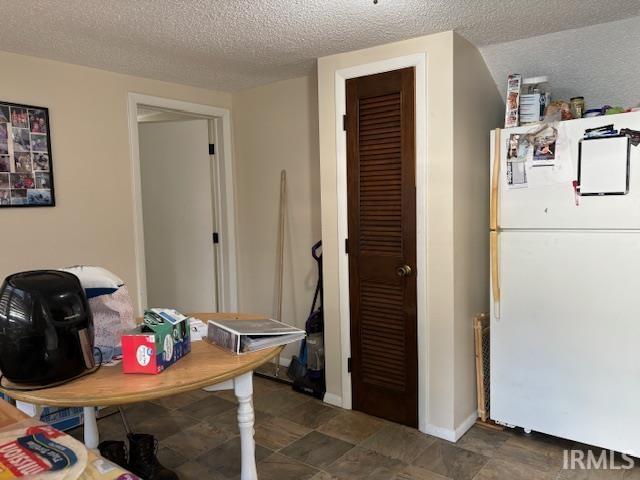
628 164
26 166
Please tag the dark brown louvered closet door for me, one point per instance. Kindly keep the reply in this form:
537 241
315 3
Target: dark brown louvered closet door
382 244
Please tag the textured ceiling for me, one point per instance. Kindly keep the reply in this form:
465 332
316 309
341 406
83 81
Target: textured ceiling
233 44
599 62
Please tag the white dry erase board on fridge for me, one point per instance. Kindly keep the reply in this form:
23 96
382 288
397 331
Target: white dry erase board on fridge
603 165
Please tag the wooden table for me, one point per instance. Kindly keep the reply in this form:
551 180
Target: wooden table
10 414
207 366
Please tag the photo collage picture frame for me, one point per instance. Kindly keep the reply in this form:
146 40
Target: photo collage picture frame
26 168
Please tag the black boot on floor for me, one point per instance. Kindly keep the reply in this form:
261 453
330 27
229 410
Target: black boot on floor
142 458
114 451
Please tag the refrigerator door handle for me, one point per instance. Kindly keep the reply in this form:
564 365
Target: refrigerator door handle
495 180
495 272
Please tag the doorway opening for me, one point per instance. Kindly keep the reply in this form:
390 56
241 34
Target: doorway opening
183 193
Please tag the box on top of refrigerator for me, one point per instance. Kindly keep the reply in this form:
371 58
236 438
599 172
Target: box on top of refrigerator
162 340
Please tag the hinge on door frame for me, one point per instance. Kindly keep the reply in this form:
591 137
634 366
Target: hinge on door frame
346 246
344 122
216 238
212 149
349 365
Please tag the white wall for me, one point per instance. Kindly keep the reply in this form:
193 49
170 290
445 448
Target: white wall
175 172
275 128
439 242
92 222
599 62
456 193
477 109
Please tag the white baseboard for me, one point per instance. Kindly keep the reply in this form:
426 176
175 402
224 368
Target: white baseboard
333 399
450 434
466 425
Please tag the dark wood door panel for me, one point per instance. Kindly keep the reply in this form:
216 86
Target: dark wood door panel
381 204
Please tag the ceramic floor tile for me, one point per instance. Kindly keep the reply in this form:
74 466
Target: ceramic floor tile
228 395
197 439
615 460
208 407
362 464
451 461
276 433
311 414
229 420
170 458
262 385
592 474
322 475
399 442
411 472
78 434
136 412
193 470
483 440
633 473
224 460
317 449
177 401
543 438
279 467
163 427
351 426
537 452
499 470
118 435
200 393
279 401
109 428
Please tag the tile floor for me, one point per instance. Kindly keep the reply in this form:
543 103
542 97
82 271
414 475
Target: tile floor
298 438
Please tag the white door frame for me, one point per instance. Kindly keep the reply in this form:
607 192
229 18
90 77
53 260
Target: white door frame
419 61
224 200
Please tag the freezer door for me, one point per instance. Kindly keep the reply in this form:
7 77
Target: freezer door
553 206
565 350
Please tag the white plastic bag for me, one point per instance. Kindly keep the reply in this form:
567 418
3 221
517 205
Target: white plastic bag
110 306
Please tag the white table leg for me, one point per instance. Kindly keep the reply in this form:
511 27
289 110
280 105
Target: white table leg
243 388
91 436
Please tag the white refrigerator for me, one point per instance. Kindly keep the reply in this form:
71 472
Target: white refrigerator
565 297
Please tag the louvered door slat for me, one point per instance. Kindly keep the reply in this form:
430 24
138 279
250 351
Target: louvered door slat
379 131
381 202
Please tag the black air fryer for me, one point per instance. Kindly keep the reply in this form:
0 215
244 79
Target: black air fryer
46 328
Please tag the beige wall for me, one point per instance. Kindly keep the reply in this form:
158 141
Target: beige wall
92 222
477 109
451 392
439 245
275 128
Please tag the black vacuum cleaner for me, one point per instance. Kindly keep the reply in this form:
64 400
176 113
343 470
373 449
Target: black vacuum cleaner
307 369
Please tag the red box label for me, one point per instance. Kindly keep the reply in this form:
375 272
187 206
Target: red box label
139 354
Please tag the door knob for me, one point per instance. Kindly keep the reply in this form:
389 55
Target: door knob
403 271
